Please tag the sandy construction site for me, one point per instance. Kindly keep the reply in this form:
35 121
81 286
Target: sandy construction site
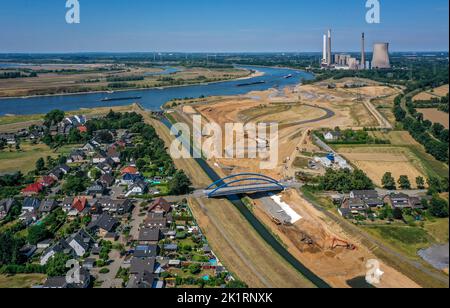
297 111
315 240
321 245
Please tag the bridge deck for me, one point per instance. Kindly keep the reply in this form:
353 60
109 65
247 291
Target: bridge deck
233 190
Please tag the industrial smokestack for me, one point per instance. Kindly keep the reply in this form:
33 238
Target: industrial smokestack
329 59
381 56
363 51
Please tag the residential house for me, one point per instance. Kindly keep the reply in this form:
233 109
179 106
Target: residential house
67 203
33 189
156 220
129 178
370 197
146 251
331 135
138 188
113 154
5 207
400 200
44 244
60 282
48 206
107 179
105 168
81 242
113 206
353 206
47 181
142 273
76 156
10 139
58 172
78 207
90 147
31 205
160 205
60 247
99 157
95 189
103 224
129 170
27 218
28 250
149 236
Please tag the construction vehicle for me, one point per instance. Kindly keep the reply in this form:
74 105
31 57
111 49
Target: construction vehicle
341 243
306 239
276 221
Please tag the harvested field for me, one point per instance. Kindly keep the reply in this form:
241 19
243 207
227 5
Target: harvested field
435 93
376 161
435 116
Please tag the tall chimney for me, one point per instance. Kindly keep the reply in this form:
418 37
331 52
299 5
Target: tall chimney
329 59
363 51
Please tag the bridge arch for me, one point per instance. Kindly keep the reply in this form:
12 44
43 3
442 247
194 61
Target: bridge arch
242 178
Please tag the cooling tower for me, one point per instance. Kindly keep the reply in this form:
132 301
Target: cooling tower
381 56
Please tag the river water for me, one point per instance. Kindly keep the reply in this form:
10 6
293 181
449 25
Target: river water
153 99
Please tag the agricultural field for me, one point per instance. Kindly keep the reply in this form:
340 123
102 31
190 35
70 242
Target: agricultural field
78 78
21 280
431 167
375 161
434 93
435 115
24 160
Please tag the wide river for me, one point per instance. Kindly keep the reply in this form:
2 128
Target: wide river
153 99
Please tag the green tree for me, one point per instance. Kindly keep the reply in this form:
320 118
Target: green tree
388 181
37 233
40 164
404 182
53 117
10 249
236 284
397 213
438 207
195 268
420 181
180 184
56 266
74 184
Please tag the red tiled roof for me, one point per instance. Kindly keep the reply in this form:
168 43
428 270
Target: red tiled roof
33 188
47 181
130 170
79 203
82 129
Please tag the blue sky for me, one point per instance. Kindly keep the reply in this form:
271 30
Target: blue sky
219 25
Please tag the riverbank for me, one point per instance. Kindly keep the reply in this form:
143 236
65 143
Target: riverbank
250 76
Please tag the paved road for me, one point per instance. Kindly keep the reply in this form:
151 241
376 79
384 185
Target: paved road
109 279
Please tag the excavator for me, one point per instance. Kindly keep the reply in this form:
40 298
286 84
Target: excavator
341 243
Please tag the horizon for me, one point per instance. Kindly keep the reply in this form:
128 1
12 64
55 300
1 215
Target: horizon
225 27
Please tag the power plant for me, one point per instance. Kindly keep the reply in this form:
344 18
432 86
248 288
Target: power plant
347 62
380 58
